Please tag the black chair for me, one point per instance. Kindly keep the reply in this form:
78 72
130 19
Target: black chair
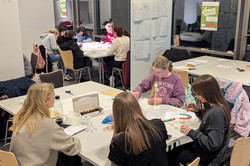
33 61
175 55
55 77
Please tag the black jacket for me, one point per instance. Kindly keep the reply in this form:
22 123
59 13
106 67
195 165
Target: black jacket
66 43
155 156
209 137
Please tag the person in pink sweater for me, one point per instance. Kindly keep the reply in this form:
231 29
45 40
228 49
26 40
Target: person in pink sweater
168 85
110 33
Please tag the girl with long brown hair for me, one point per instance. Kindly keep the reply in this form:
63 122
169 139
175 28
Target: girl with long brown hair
212 135
136 140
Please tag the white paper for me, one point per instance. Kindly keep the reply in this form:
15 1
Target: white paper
142 30
180 67
200 61
142 50
224 66
141 11
72 130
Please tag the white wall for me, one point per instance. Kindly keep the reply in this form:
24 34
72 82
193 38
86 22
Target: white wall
11 59
105 10
36 17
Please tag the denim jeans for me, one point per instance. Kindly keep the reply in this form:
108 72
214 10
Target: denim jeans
57 57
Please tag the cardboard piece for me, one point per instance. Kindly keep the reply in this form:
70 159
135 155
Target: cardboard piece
248 67
184 77
110 92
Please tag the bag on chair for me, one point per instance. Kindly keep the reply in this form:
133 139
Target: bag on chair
40 62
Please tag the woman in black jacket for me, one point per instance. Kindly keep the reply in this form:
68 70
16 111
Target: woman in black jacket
68 42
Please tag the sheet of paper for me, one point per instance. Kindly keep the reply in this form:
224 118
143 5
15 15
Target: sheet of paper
224 66
200 60
72 130
181 67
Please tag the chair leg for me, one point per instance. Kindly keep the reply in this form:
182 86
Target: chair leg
89 73
6 131
122 81
75 76
80 76
112 79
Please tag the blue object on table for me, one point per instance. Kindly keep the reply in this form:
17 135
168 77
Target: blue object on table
108 119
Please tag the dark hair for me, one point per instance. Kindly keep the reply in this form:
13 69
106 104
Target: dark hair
207 87
125 33
82 29
62 27
118 30
70 34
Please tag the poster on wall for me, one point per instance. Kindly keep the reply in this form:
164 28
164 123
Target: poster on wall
63 10
209 16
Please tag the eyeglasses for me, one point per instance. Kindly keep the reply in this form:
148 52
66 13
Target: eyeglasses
159 72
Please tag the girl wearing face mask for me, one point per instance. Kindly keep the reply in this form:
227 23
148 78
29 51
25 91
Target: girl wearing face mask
169 86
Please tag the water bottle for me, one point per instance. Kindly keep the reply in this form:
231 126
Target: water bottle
58 110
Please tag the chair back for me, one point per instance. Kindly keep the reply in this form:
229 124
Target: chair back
33 61
126 71
55 77
241 152
8 158
67 57
184 77
195 162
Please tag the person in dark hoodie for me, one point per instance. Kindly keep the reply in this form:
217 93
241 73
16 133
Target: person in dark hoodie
68 42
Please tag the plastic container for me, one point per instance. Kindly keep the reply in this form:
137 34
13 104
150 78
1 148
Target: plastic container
58 110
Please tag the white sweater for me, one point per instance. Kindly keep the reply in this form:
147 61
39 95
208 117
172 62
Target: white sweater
119 48
41 148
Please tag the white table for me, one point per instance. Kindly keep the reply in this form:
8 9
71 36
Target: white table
95 144
191 36
96 50
218 67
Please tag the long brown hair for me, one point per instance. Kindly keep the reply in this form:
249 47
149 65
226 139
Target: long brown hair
207 86
128 119
33 107
163 63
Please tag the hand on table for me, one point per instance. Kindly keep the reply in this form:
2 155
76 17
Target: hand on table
152 100
192 107
136 94
185 129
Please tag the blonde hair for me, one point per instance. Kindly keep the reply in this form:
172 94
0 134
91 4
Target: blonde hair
128 119
34 105
54 31
163 63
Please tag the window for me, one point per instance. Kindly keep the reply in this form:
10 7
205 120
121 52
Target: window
186 24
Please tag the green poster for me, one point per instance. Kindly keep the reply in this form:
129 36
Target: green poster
209 16
63 9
